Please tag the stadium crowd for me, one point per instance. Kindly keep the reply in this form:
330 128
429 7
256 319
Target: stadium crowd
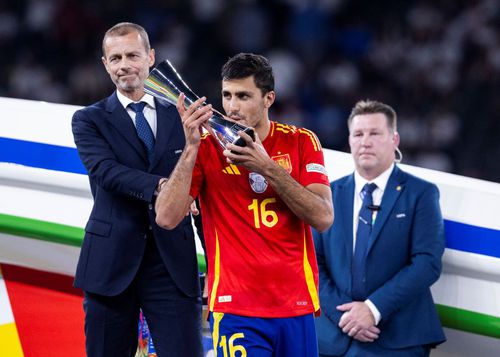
436 62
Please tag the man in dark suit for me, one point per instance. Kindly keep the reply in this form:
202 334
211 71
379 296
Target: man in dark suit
130 143
383 251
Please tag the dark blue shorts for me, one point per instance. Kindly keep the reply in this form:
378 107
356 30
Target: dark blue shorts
241 336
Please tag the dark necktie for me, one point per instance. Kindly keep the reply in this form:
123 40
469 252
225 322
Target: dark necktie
143 129
362 238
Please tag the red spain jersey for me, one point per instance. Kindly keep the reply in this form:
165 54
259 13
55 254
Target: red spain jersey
261 258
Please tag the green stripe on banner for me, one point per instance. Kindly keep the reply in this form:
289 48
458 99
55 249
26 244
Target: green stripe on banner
470 321
42 230
53 232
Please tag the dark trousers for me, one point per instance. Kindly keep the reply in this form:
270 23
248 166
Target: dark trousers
174 319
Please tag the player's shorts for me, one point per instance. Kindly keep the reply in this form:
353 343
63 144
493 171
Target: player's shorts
241 336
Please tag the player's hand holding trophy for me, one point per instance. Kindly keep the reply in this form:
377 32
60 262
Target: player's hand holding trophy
165 82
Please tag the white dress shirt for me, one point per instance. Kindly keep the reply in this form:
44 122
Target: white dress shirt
359 183
149 109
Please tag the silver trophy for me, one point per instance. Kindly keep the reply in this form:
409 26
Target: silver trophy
165 82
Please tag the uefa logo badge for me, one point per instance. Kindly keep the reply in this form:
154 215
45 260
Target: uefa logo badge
257 182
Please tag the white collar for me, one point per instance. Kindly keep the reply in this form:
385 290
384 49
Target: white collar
381 180
125 101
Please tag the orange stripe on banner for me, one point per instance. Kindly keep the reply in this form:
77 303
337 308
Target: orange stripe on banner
9 341
48 312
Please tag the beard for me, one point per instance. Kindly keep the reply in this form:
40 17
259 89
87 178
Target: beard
129 84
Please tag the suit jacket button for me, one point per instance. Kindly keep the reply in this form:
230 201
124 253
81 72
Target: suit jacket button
145 236
150 206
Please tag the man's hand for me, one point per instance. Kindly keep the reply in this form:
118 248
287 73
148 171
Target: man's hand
193 118
358 321
312 204
367 335
193 209
253 156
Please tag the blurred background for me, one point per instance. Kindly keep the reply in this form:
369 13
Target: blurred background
436 62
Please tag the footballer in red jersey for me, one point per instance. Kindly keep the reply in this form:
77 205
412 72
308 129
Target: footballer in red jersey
257 204
260 255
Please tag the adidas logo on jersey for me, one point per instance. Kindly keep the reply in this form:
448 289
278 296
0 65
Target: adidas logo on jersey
231 170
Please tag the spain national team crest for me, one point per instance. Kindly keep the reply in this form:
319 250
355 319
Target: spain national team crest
284 161
257 182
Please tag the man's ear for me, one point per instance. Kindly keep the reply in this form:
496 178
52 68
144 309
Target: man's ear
396 138
151 56
269 98
105 63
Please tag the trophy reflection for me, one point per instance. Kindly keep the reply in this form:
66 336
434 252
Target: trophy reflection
164 82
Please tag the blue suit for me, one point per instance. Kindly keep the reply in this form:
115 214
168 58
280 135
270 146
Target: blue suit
403 260
122 240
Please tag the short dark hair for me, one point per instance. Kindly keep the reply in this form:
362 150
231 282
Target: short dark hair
124 28
244 65
373 107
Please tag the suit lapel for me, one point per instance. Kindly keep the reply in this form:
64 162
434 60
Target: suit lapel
395 186
164 125
346 199
120 119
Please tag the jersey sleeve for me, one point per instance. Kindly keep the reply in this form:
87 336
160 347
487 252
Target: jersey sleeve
312 162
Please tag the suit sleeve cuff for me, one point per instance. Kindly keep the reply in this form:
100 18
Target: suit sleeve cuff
374 310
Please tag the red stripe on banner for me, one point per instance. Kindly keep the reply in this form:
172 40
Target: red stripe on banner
48 312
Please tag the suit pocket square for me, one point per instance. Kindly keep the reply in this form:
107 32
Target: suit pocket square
400 215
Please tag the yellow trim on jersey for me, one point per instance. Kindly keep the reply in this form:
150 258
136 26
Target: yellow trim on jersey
272 128
314 139
286 128
216 272
311 286
231 170
217 316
